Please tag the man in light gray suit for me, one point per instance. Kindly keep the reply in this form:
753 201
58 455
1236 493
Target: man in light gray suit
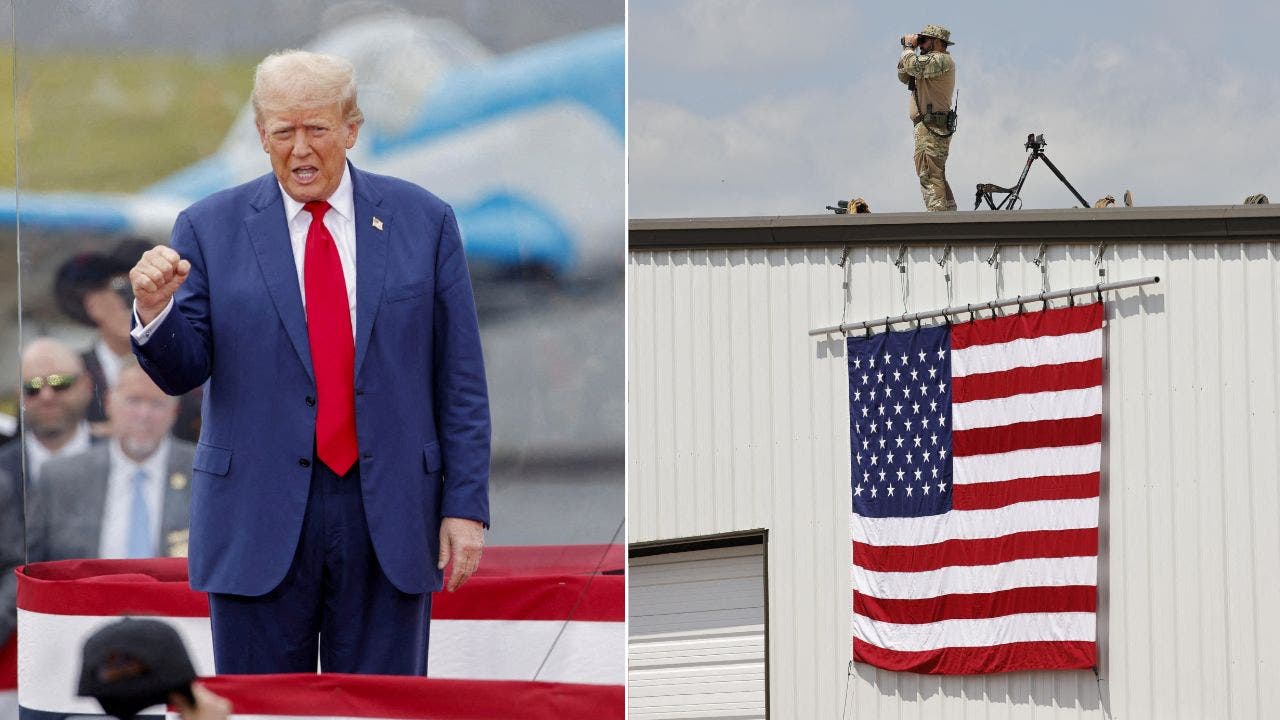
127 498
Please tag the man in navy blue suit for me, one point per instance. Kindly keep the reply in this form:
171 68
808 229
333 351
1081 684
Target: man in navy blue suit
344 453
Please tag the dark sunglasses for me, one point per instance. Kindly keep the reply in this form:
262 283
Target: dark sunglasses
58 381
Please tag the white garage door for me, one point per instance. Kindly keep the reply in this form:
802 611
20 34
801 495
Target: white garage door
697 643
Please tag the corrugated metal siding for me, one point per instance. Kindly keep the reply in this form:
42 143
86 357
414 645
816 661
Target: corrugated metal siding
738 420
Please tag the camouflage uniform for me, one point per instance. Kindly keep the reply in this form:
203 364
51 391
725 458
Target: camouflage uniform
934 75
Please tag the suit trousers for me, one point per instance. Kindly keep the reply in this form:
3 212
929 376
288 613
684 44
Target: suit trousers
334 603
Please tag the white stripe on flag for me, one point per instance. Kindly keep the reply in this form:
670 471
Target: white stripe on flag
1028 407
973 579
975 524
1026 627
584 652
1037 462
49 646
1026 352
9 704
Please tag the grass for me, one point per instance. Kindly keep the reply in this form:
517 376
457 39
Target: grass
114 123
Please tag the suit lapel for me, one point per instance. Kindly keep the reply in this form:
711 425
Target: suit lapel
175 518
371 258
94 495
270 236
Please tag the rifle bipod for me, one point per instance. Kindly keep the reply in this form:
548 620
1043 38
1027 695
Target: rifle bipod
986 191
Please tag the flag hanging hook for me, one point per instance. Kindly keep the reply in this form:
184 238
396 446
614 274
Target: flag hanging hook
946 271
1042 262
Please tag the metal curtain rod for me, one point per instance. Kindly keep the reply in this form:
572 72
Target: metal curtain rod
991 305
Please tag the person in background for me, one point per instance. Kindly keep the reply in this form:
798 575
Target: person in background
12 552
125 498
56 393
94 290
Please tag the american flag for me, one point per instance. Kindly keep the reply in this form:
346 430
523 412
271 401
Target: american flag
976 451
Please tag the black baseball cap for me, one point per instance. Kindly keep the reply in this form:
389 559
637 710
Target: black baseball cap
84 273
133 664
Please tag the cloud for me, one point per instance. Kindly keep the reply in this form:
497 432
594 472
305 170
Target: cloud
741 34
1155 119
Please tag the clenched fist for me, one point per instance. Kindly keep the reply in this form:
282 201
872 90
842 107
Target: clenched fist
910 40
157 276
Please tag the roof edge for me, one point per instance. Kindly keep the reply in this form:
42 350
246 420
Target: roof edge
1193 223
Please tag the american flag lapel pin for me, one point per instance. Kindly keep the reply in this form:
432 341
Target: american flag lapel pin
377 224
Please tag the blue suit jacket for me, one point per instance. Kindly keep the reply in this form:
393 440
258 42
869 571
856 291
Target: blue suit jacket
422 412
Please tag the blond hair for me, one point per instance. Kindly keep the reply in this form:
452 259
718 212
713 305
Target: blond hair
299 78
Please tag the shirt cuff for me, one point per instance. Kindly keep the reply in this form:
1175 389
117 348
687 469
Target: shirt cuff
142 333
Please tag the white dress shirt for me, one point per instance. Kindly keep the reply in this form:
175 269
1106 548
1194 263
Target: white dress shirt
341 222
38 455
110 362
118 510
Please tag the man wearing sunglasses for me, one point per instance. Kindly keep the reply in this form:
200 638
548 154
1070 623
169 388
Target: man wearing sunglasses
128 497
56 393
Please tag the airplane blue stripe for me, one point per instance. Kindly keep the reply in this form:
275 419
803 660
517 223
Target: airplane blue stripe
506 229
588 70
63 212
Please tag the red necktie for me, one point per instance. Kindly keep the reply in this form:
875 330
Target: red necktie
332 349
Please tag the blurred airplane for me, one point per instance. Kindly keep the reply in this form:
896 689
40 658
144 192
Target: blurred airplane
527 147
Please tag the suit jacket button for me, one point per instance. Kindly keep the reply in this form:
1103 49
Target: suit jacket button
304 462
311 402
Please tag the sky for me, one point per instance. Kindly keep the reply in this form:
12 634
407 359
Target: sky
780 107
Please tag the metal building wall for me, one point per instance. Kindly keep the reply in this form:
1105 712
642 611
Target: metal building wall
739 420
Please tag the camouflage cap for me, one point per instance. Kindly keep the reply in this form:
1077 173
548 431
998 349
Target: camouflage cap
937 31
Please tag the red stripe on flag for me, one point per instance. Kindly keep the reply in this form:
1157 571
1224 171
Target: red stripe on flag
135 588
375 696
1069 598
110 587
9 664
1041 378
1073 655
1062 321
986 496
1026 435
596 598
987 551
